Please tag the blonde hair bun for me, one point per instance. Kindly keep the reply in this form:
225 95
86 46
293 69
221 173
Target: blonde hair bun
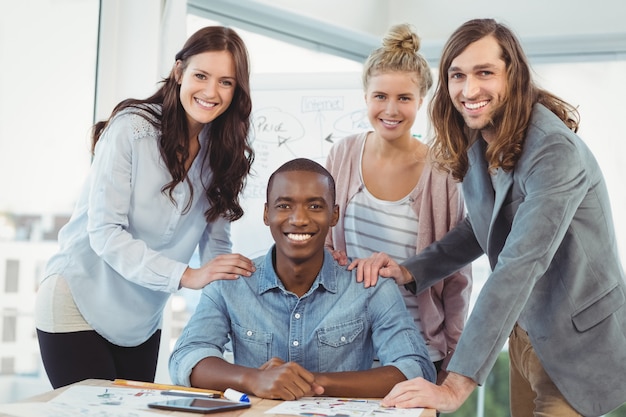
402 37
399 52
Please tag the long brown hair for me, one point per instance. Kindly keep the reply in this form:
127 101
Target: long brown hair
230 155
452 137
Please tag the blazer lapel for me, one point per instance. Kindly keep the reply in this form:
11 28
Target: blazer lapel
499 226
485 199
478 192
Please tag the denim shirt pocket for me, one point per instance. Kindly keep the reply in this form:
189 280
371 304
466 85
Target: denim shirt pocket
341 346
251 347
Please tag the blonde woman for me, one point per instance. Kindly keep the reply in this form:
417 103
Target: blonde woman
391 199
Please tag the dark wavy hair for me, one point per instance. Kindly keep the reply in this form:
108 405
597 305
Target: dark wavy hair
452 137
230 155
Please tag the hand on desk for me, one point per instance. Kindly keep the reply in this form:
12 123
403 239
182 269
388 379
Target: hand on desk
278 379
418 392
287 381
275 379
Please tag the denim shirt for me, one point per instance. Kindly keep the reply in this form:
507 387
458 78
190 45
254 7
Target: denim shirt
338 325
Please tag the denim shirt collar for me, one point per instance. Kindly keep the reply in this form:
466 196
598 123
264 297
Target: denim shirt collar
326 278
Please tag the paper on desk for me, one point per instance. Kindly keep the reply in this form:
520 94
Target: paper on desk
88 401
64 410
119 398
340 407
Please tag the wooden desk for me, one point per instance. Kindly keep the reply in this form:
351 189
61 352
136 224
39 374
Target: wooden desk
259 405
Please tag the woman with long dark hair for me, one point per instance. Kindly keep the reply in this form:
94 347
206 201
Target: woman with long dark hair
166 178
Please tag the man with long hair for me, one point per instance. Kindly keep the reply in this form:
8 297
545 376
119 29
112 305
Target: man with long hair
539 209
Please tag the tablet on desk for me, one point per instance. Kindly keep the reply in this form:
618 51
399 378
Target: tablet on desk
198 405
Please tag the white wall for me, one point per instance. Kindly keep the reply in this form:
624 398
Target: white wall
573 29
436 19
368 16
128 60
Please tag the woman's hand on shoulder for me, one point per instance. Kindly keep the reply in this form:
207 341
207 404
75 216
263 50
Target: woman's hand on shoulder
340 257
379 264
225 266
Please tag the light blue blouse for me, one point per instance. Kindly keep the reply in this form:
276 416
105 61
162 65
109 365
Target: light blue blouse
127 245
338 325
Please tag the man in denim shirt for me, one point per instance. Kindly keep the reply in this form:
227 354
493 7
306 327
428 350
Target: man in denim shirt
300 325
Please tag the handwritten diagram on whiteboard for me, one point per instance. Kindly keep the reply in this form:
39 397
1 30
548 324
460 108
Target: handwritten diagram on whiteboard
291 120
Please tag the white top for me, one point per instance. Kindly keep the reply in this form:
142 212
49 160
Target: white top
375 225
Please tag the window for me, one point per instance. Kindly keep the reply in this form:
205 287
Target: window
7 366
11 275
46 110
9 322
269 55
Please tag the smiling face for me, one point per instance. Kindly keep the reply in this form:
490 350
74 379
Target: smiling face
299 211
207 86
393 99
477 84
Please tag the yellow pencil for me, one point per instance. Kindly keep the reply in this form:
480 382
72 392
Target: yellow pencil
152 385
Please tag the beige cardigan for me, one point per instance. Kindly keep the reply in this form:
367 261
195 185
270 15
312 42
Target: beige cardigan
438 204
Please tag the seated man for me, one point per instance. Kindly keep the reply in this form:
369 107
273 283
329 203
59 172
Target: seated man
300 325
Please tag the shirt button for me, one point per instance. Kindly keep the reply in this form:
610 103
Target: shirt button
296 343
249 333
297 315
343 338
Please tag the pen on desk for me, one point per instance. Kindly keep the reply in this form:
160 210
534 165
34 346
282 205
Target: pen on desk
162 387
237 396
181 393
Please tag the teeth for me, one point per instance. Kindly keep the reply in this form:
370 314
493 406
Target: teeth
474 106
205 103
391 122
299 237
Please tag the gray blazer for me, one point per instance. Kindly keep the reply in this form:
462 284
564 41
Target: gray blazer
548 233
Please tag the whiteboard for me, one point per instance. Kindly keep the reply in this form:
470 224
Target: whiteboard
293 116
